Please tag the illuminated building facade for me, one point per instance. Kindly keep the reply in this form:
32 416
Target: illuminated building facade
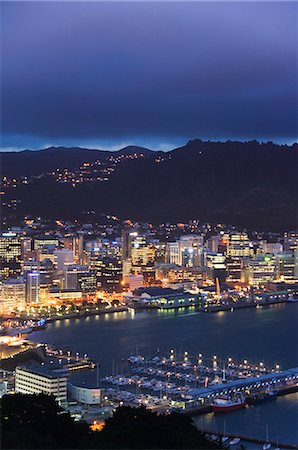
10 255
216 267
12 295
239 246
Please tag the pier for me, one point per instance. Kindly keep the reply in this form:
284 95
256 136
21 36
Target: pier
284 381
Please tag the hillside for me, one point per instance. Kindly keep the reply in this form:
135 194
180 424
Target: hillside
247 184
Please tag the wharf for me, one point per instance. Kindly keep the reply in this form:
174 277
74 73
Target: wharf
244 305
285 382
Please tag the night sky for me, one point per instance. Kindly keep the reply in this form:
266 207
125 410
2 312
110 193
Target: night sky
104 75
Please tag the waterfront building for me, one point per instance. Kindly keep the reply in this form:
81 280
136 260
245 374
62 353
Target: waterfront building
216 267
85 394
261 270
78 277
64 294
110 277
158 297
171 273
12 295
41 379
286 266
10 255
135 282
235 268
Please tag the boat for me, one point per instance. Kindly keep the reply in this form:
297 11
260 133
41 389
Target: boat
262 397
234 441
226 404
292 299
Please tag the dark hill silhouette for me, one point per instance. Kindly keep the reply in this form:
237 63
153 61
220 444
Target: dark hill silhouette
247 184
35 162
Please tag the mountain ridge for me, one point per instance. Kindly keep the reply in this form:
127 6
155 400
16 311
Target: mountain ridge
248 184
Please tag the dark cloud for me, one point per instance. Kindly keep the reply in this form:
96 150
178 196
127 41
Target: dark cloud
106 72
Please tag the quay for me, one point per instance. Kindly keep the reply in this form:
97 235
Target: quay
285 382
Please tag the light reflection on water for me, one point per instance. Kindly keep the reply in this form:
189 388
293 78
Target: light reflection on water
267 334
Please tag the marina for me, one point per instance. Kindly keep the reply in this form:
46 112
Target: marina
243 333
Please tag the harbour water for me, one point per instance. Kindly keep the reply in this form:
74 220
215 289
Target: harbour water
267 334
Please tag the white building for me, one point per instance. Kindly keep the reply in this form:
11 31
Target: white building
41 379
12 295
135 282
85 394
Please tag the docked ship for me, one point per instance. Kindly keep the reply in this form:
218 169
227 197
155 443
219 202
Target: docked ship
260 397
226 404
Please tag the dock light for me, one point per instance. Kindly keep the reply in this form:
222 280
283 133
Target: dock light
277 366
200 355
214 357
164 397
121 403
245 361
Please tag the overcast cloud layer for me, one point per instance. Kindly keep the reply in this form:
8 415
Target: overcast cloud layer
156 74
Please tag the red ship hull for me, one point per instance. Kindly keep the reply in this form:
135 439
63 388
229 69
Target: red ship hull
222 408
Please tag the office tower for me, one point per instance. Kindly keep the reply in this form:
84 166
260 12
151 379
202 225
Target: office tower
111 274
63 256
79 278
10 255
26 247
216 267
213 243
261 270
174 255
239 246
46 272
285 266
32 287
12 295
138 255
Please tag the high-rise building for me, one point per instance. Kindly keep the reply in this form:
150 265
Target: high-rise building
286 263
10 255
239 246
174 255
63 256
216 267
12 295
79 278
32 287
138 255
261 270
